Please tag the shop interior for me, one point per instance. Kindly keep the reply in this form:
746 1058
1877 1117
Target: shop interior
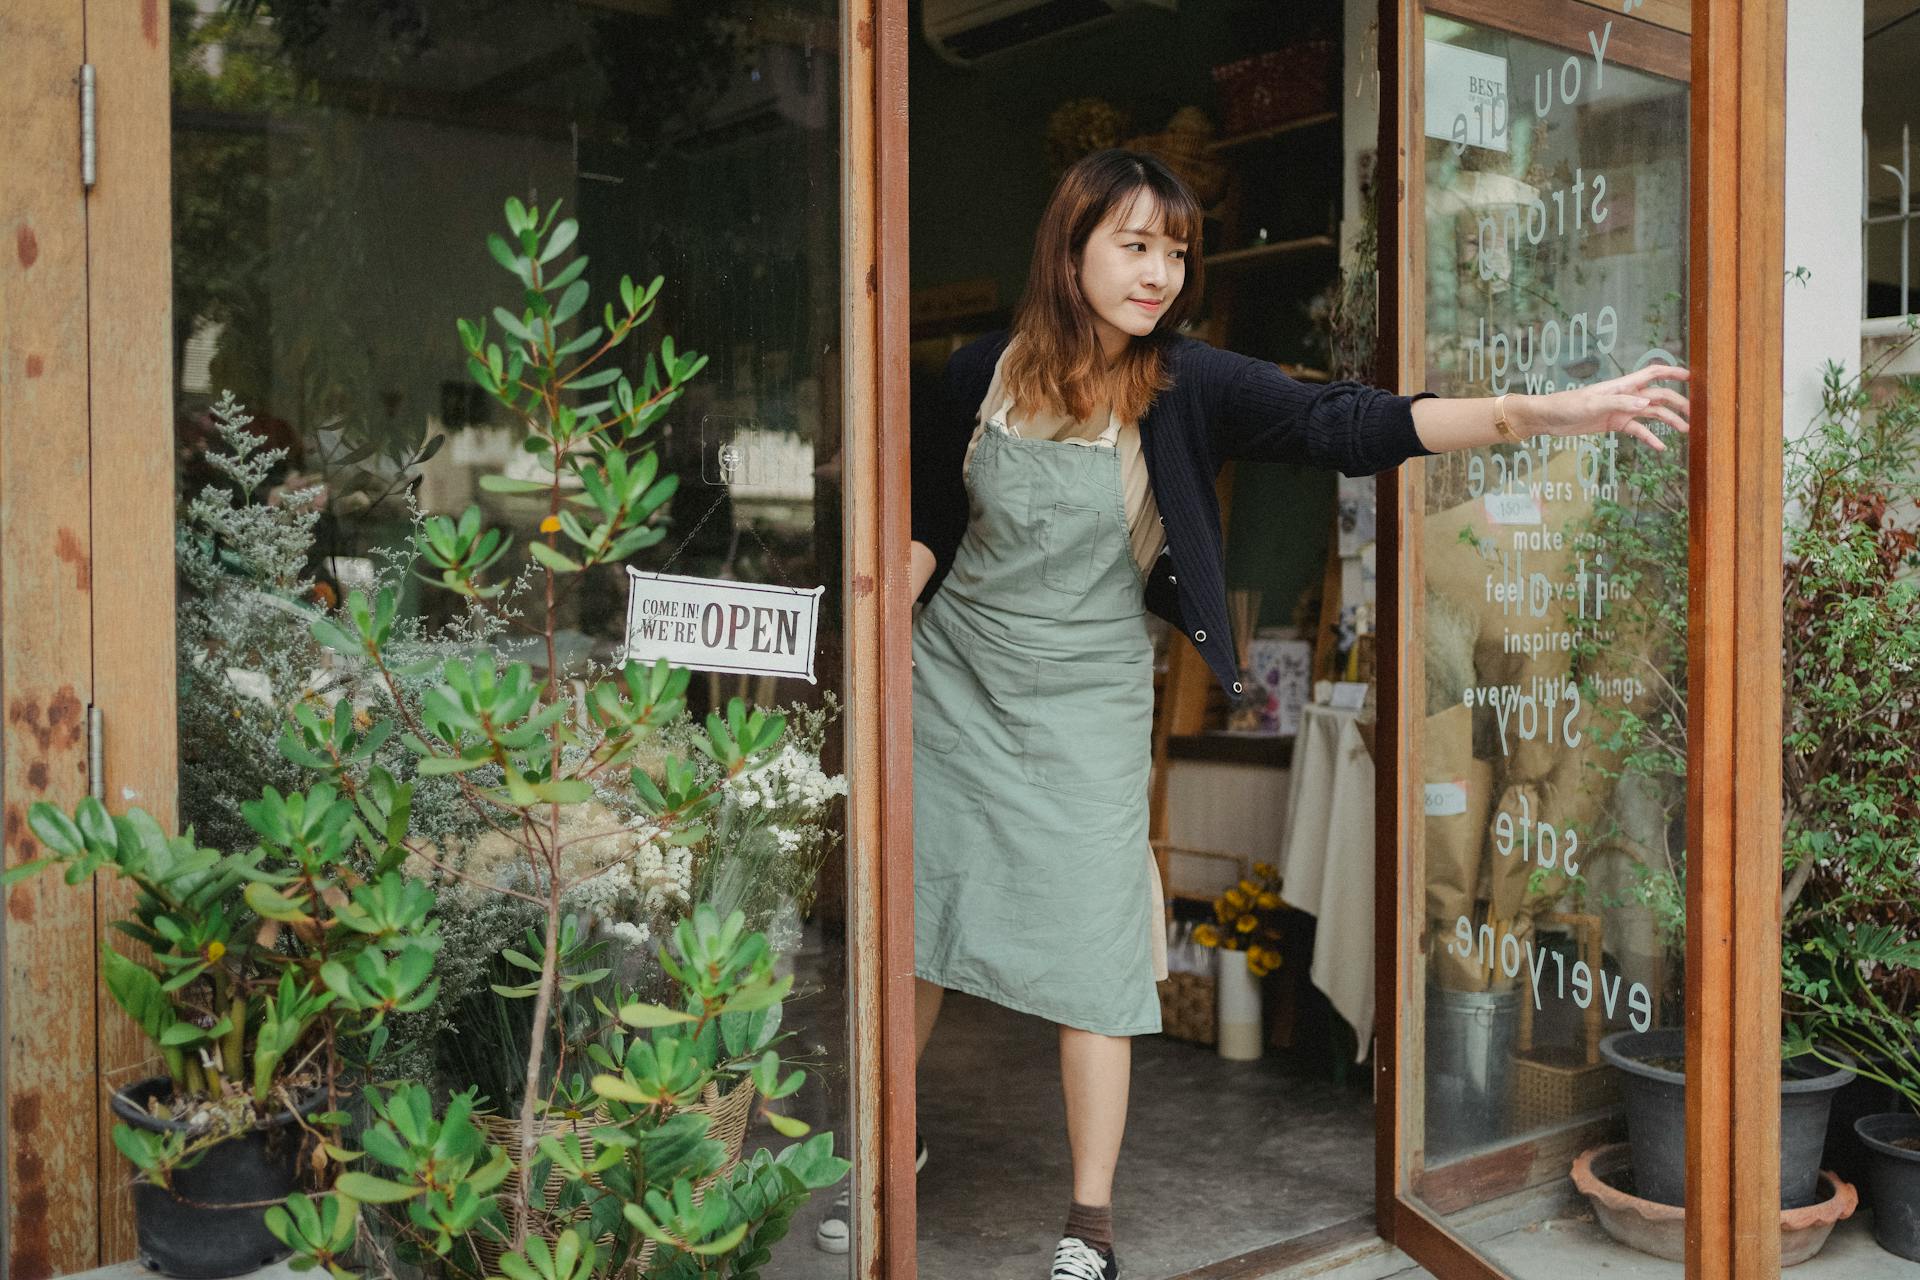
1251 1117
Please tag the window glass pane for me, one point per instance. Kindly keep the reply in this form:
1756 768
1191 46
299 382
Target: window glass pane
1553 749
338 170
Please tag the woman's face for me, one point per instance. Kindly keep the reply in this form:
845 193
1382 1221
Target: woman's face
1131 271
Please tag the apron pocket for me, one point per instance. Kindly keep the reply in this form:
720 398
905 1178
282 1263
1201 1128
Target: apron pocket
1090 731
938 681
933 729
1072 535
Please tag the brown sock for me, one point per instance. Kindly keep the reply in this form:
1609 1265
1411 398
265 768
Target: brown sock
1094 1225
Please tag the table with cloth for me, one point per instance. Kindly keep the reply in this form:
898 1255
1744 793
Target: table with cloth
1326 858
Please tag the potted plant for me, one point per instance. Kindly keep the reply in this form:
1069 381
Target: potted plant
1246 934
342 883
1852 958
251 997
586 800
1850 788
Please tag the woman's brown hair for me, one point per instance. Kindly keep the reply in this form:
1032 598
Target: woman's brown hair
1055 362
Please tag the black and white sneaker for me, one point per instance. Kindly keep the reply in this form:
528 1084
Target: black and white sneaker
1075 1259
835 1232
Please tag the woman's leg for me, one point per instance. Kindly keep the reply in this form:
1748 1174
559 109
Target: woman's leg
926 1010
1094 1074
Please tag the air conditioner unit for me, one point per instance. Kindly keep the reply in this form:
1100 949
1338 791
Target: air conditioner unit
966 31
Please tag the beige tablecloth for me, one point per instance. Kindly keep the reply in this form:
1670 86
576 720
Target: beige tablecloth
1326 861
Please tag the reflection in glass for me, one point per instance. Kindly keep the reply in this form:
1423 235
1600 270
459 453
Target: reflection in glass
337 169
1554 746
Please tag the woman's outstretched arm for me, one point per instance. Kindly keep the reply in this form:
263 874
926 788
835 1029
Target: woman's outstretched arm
1622 404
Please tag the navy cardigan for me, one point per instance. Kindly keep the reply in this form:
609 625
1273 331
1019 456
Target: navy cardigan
1220 408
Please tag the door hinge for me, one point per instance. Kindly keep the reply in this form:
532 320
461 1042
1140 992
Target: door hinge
88 137
96 755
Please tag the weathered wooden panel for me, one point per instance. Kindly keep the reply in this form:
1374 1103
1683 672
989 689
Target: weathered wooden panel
46 589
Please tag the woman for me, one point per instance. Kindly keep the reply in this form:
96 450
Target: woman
1064 488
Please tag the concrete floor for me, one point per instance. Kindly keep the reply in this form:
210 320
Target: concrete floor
1220 1157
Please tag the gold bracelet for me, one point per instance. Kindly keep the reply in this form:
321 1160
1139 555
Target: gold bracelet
1500 422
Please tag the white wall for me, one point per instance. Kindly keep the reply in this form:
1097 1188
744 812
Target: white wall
1822 316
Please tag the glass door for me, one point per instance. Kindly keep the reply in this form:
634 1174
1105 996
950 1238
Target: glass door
1542 696
343 179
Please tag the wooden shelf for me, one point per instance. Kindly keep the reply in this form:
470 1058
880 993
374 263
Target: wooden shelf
1232 748
1272 131
1274 250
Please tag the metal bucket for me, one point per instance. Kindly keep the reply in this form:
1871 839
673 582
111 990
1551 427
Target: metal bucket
1469 1067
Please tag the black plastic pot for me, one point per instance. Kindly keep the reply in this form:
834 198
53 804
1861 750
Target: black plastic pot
1894 1176
1847 1153
1655 1098
211 1222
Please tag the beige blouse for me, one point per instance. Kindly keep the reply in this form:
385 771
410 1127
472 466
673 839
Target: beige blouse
1143 528
1143 517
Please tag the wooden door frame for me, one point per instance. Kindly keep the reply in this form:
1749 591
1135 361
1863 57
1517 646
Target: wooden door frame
1736 65
875 37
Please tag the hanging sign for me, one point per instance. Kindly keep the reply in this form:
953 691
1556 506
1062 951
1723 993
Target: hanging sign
1466 93
712 624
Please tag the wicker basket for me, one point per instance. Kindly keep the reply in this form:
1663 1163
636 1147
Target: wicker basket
1185 152
1187 1007
1554 1084
1272 88
729 1111
504 1130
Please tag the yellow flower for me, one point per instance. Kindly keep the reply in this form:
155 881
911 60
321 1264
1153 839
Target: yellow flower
1245 924
215 950
1254 967
1206 935
550 525
1220 909
1249 888
1236 899
1264 870
1268 901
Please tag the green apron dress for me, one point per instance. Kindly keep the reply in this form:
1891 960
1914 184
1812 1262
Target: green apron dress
1032 722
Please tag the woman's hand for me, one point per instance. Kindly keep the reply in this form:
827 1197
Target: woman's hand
1618 404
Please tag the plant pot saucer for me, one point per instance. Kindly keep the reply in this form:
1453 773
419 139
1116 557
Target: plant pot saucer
1604 1176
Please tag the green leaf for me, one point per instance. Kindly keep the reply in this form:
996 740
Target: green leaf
721 1244
368 1189
13 875
563 236
507 484
55 830
565 791
440 766
504 255
273 905
788 1125
570 302
615 1089
552 559
643 1015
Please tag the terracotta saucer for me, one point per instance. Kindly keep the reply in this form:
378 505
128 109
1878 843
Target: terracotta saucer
1661 1229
